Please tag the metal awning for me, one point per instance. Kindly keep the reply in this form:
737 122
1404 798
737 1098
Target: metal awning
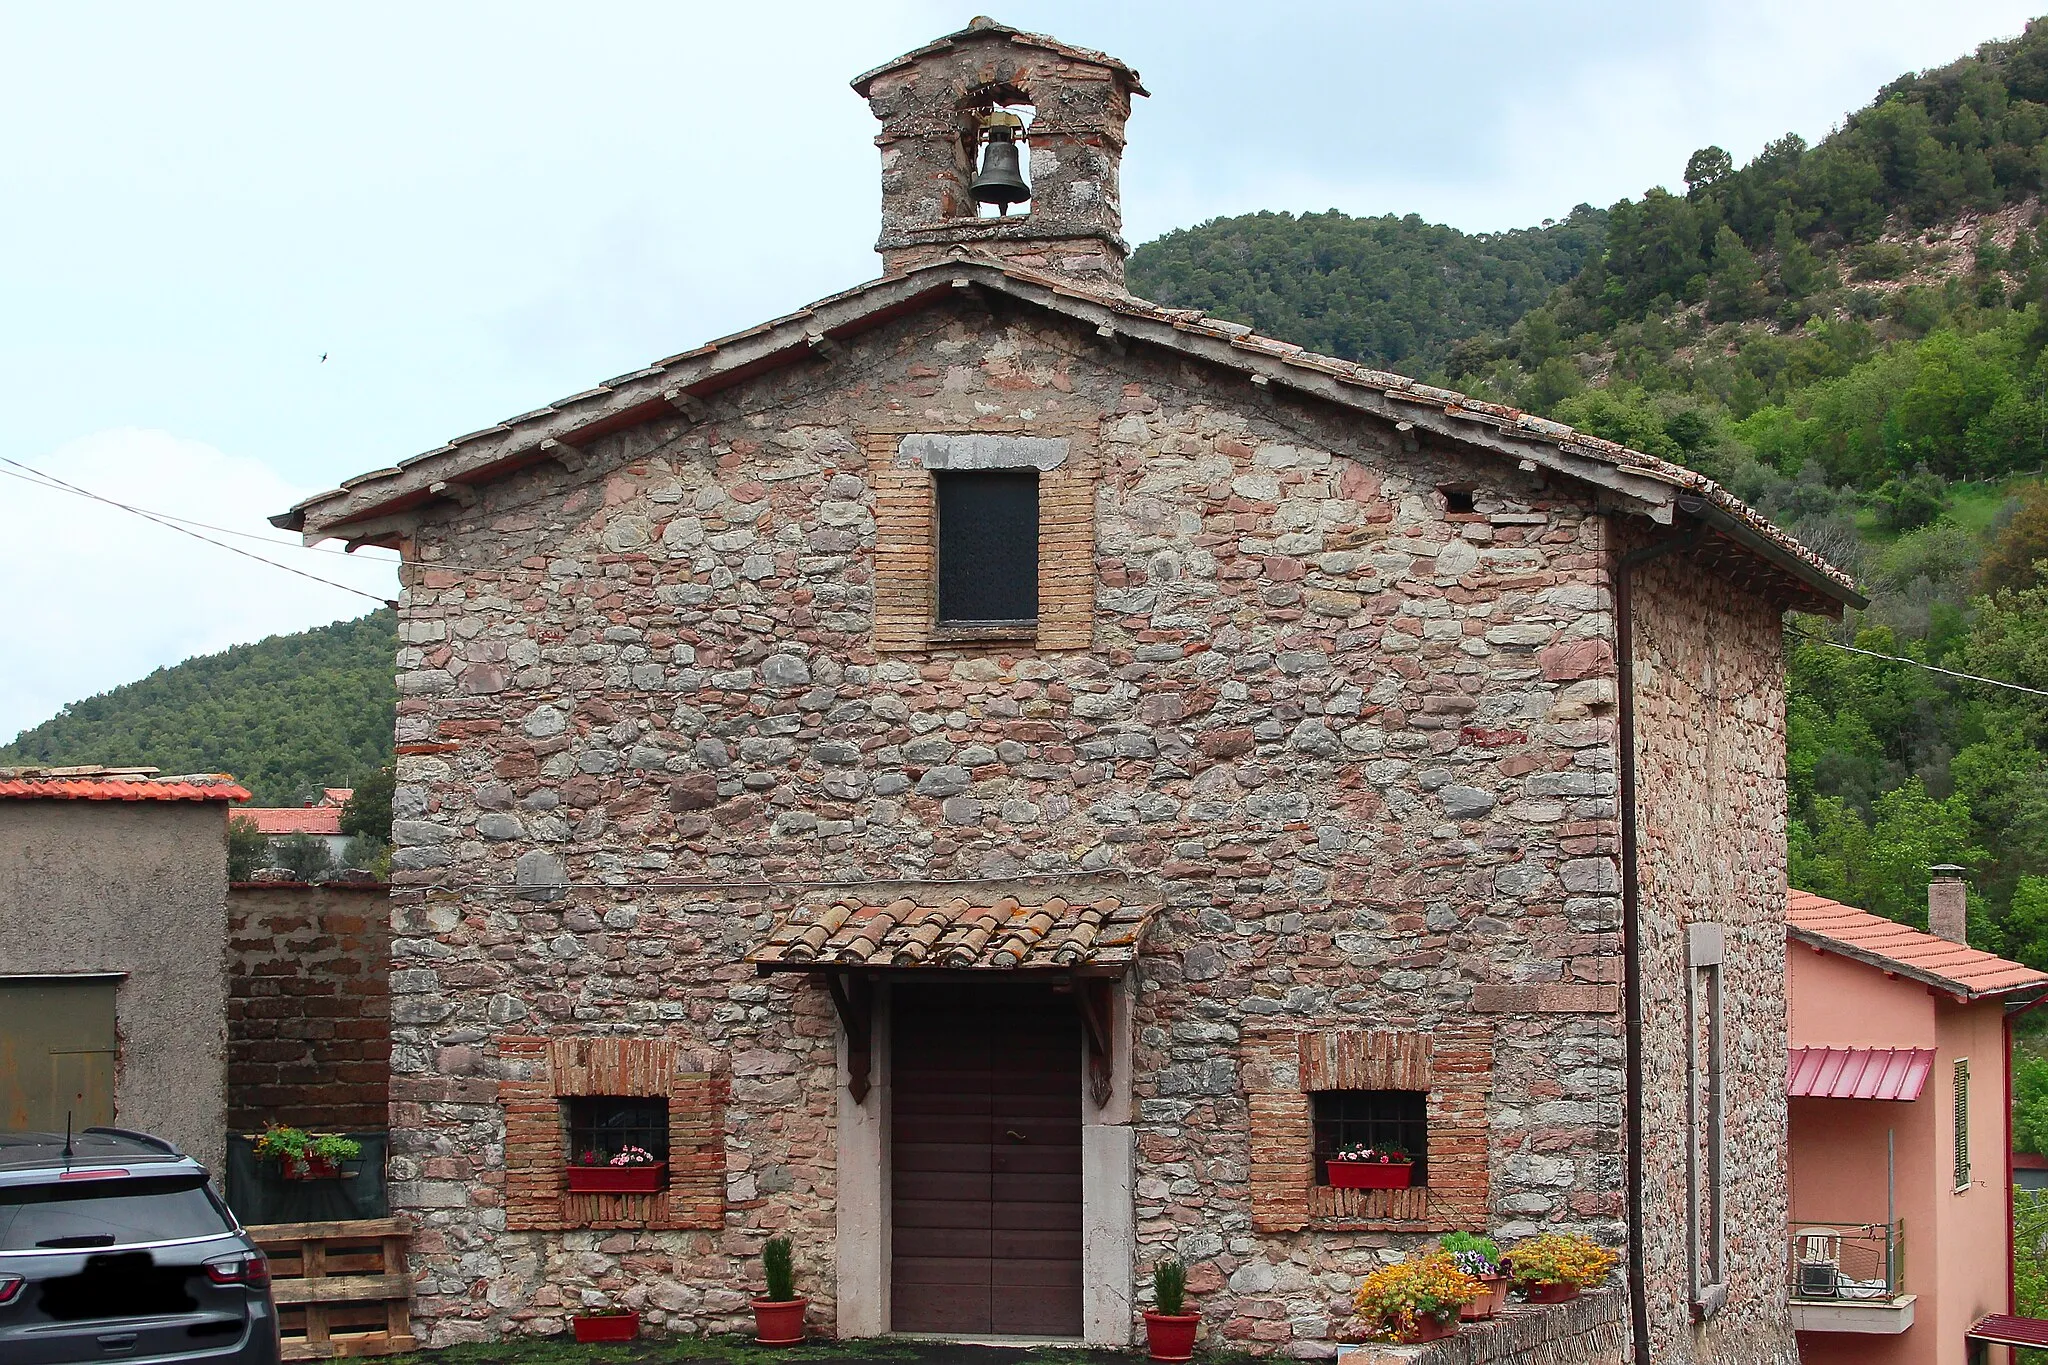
2002 1329
1097 938
1857 1073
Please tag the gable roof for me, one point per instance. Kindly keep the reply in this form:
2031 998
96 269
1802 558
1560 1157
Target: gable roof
1741 540
115 784
280 820
1962 971
981 26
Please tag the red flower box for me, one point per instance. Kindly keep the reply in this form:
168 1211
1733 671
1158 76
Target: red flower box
617 1179
1371 1175
311 1168
607 1327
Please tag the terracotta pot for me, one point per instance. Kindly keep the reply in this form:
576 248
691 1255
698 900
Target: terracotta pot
616 1179
779 1322
1171 1336
1371 1175
1496 1299
1550 1293
1429 1329
607 1327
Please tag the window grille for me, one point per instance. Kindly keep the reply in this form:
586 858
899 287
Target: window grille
1962 1123
1377 1118
988 547
608 1123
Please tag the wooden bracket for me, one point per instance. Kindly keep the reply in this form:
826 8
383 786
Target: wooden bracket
855 1001
1098 1010
462 493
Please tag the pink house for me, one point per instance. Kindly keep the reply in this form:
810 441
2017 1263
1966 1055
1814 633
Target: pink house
1901 1184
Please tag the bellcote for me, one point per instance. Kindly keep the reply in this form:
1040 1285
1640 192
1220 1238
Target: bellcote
942 104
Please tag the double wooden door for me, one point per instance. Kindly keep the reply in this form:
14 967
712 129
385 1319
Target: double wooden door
986 1164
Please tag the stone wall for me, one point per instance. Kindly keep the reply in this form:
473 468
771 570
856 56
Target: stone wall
1709 685
1591 1330
309 1005
1359 739
136 888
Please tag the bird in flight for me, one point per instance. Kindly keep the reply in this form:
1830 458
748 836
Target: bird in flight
323 357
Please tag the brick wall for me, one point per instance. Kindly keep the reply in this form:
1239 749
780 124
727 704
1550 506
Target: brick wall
1590 1330
309 1005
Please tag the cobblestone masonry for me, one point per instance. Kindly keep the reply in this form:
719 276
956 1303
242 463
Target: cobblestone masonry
1363 746
1590 1330
1711 850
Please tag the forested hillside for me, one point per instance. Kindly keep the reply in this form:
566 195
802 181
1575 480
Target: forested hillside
287 715
1391 292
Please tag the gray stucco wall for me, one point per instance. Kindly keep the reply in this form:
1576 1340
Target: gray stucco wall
138 888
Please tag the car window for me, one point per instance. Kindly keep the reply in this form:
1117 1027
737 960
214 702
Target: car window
113 1212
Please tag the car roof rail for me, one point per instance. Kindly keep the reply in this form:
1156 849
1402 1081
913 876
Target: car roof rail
146 1139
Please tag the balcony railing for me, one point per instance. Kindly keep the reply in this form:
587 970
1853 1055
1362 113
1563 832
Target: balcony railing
1848 1262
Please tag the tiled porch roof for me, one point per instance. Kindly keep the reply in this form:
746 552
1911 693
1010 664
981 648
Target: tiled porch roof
1965 972
1857 1073
1004 935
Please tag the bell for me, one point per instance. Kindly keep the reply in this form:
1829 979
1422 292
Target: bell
1000 180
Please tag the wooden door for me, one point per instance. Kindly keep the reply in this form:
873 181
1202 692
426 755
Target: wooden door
986 1168
57 1050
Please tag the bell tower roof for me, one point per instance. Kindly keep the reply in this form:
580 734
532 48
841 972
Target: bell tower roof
965 116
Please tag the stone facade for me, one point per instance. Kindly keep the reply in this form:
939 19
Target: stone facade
309 1005
1336 691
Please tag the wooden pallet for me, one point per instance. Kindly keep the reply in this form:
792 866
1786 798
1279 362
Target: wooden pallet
341 1289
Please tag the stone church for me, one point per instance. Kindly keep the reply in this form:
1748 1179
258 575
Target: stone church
997 779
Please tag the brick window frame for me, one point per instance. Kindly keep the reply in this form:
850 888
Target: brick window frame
1282 1070
901 463
542 1072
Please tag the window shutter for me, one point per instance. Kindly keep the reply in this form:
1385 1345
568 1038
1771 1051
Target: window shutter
1962 1123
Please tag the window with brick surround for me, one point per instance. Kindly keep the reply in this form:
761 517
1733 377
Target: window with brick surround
1375 1118
607 1124
988 548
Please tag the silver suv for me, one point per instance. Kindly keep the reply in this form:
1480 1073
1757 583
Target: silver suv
112 1248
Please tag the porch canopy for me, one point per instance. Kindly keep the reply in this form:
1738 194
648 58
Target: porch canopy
1857 1073
1079 946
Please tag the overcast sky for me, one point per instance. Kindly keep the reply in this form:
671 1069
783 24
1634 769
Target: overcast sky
470 210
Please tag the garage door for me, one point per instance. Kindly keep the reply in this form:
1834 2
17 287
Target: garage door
986 1165
57 1047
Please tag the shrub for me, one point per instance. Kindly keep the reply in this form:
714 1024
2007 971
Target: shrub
1170 1288
1475 1254
780 1271
1394 1300
1559 1258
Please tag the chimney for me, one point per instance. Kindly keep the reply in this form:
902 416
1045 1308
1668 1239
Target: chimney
1948 903
945 106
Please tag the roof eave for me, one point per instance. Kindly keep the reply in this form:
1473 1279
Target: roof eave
1946 985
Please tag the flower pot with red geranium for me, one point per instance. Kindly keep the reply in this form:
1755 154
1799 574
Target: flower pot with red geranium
1417 1300
1169 1328
617 1324
630 1170
1363 1167
779 1313
1478 1257
1555 1266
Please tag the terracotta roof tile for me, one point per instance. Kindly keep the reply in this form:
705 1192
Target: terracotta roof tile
1003 935
1857 1073
115 784
1886 944
277 820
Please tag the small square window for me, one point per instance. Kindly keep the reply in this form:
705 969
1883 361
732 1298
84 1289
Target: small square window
607 1124
1377 1118
988 548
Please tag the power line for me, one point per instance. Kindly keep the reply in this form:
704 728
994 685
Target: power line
181 530
186 521
1918 663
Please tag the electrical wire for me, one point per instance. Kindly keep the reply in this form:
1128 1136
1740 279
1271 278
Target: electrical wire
182 530
1918 663
41 482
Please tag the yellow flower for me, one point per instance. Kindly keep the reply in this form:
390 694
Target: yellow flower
1394 1299
1559 1258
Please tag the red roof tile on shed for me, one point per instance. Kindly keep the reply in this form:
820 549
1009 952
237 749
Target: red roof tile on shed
1893 947
17 786
1857 1073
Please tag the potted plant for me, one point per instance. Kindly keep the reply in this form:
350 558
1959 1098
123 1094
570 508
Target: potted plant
1417 1300
779 1313
1361 1167
1478 1257
1555 1266
301 1155
630 1170
613 1324
1169 1328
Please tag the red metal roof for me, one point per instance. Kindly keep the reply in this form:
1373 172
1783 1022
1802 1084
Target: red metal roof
293 819
1890 946
2002 1329
1857 1073
29 785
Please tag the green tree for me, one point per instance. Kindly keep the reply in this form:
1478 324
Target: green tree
367 813
304 855
248 848
2014 559
1706 168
